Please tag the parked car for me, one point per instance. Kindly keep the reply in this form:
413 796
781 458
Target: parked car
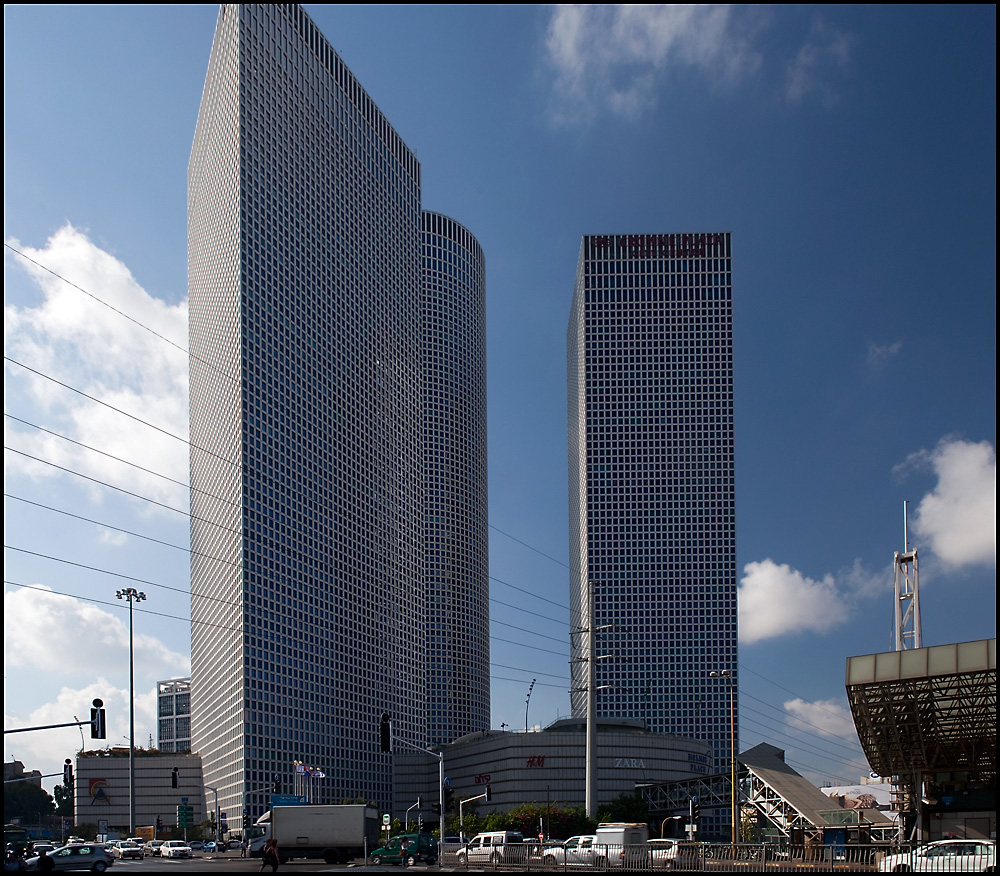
127 850
495 847
79 856
945 856
175 849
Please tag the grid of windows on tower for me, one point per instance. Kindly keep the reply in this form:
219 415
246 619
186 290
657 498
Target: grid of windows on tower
652 464
316 435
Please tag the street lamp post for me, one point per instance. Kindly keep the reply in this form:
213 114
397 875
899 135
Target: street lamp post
728 676
133 596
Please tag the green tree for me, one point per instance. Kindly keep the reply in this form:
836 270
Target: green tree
64 801
26 801
628 808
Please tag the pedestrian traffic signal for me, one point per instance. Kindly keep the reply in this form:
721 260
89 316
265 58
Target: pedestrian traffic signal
98 721
68 774
385 733
276 787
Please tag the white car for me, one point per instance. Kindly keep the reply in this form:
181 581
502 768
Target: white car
673 854
126 849
576 851
945 856
175 849
496 847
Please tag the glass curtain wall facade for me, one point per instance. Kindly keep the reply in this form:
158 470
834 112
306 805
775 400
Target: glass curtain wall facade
455 483
307 537
652 517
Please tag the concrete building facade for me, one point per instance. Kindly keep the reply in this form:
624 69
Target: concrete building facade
101 789
547 766
173 709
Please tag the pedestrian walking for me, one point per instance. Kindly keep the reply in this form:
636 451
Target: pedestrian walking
270 856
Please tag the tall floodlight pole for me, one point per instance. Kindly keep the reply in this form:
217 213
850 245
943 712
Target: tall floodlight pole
728 676
527 701
906 586
133 596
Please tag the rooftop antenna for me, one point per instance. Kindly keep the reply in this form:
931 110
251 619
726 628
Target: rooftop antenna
906 592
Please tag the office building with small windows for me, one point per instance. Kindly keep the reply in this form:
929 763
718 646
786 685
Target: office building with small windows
335 431
652 512
455 485
173 709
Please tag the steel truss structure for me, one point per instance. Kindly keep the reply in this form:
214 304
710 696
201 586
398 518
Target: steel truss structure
765 783
927 710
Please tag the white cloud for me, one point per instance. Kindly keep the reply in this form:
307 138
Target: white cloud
85 639
957 519
827 717
75 340
776 600
76 651
826 54
611 57
878 354
45 750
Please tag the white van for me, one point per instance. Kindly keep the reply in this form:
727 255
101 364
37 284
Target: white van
621 844
496 847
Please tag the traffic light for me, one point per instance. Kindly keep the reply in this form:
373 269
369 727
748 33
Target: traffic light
695 810
174 781
449 799
68 774
159 824
385 733
489 794
98 721
276 787
420 824
436 808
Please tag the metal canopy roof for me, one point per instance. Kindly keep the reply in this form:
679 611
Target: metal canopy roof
927 709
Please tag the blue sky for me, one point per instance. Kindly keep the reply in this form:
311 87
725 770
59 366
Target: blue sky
851 151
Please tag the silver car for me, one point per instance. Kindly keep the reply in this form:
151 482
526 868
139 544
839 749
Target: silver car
945 856
79 856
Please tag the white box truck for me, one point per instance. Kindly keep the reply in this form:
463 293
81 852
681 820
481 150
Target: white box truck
337 834
619 844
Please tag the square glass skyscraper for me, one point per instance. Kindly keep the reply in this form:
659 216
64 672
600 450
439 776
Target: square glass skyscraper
323 388
652 511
